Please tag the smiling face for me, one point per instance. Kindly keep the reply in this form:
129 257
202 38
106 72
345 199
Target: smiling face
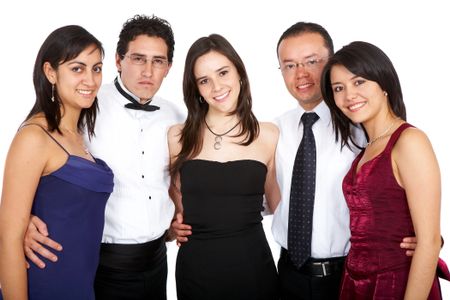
217 81
361 100
143 80
77 80
303 82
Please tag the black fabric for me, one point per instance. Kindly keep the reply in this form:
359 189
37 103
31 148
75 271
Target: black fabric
134 104
227 256
295 285
320 267
301 205
133 257
132 271
111 284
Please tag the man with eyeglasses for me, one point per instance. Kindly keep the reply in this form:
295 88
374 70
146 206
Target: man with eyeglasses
131 135
311 223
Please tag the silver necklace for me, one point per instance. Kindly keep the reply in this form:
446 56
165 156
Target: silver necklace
385 133
218 137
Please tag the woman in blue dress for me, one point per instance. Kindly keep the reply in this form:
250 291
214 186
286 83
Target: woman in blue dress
50 173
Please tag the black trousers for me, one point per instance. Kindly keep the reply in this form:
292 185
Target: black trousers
132 272
295 285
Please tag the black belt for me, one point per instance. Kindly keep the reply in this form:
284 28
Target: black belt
133 257
319 267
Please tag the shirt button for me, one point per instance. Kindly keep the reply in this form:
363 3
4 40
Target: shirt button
142 130
142 176
142 152
150 197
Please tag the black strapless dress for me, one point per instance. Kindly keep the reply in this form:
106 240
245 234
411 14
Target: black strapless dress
227 255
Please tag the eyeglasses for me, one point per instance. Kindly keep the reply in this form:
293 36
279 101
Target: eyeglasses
310 64
157 62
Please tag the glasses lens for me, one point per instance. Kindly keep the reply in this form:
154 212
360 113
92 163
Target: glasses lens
159 63
137 59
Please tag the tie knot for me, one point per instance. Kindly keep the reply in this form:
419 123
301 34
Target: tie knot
308 119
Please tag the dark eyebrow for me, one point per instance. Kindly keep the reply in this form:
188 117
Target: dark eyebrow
160 57
83 64
222 68
217 71
200 78
76 62
338 82
311 56
152 57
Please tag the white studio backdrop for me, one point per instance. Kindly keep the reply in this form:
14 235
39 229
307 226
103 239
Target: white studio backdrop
415 35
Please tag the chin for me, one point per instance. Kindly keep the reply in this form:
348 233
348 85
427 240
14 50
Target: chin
87 105
144 96
355 119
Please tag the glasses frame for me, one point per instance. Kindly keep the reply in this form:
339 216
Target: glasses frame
307 64
156 62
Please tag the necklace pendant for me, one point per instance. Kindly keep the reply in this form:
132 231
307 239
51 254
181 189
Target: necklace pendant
217 144
218 137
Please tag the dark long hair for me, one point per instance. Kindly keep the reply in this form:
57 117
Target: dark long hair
191 137
370 62
61 45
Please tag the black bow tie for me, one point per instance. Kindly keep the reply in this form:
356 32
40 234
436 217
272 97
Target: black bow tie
134 104
138 106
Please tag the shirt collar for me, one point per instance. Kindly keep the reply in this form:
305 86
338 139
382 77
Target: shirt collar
321 110
119 80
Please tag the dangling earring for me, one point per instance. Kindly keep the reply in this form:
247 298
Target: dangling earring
385 93
201 100
53 93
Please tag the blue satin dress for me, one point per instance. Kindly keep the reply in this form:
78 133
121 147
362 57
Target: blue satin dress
71 201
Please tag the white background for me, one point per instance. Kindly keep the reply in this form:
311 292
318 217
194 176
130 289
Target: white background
415 35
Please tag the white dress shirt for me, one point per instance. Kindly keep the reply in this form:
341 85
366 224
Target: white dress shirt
134 144
330 230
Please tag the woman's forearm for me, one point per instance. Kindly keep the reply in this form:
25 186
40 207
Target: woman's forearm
423 269
13 274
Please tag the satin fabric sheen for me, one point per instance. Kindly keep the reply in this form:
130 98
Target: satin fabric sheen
376 266
71 201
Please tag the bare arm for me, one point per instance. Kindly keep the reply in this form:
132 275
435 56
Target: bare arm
177 230
410 243
271 188
415 167
24 166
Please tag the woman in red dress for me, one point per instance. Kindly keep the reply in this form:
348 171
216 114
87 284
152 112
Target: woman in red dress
393 188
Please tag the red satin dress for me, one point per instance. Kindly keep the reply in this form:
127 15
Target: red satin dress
376 267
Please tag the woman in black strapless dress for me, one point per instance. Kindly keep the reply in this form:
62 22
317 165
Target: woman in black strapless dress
222 164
